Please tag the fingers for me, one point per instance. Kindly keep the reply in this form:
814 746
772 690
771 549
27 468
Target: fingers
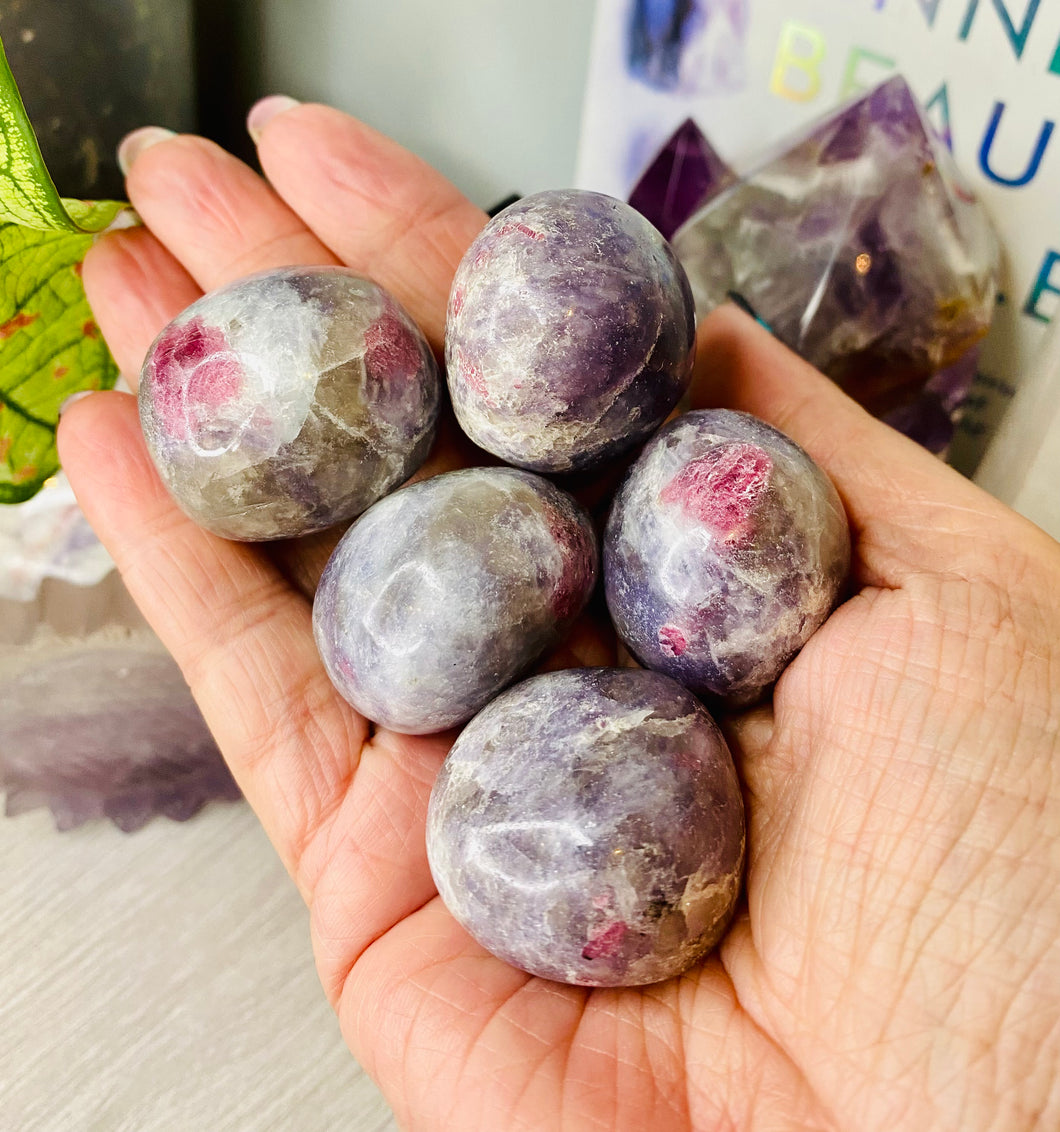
134 286
210 219
242 638
352 196
909 512
383 211
215 214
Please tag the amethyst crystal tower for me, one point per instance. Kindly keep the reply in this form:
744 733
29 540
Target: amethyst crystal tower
570 332
860 246
682 177
725 550
588 826
288 401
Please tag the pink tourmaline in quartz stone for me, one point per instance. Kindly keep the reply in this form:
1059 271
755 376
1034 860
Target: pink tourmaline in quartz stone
288 401
725 550
860 246
682 177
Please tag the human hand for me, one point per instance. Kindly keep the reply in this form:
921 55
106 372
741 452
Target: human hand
897 963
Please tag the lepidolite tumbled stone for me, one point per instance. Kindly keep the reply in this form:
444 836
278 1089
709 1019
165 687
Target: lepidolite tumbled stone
570 332
725 550
288 401
860 246
446 591
587 826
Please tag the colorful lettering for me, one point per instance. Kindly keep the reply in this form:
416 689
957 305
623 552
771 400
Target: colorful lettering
1018 39
852 84
944 127
799 55
930 8
1043 283
1030 172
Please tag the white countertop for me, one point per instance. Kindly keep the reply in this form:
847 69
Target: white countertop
163 981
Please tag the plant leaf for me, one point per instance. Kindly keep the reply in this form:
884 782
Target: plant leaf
27 194
50 347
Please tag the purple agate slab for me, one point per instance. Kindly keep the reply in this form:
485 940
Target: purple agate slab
587 826
725 549
860 246
288 401
570 332
445 592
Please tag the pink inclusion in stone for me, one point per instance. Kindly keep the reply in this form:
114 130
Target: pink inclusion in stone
722 488
605 943
672 641
472 375
193 374
390 350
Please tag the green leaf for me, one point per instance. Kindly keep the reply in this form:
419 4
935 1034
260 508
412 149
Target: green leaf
27 194
50 347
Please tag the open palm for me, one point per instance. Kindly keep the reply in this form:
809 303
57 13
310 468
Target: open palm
897 962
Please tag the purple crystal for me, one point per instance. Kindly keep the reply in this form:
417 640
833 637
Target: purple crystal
860 246
682 177
109 732
587 826
931 418
570 332
725 550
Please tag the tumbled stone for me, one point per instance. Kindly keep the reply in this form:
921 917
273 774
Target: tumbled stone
588 827
446 591
288 401
725 550
860 246
681 178
570 332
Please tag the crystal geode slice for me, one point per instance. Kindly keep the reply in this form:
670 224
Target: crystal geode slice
288 401
860 246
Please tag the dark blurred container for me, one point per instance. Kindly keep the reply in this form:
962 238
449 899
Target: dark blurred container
91 71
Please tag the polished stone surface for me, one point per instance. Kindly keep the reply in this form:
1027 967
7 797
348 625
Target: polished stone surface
287 402
680 179
725 549
861 247
570 332
588 827
448 590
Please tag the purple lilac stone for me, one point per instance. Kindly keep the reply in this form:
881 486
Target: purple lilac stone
570 332
682 177
288 401
107 732
445 592
725 549
588 827
860 246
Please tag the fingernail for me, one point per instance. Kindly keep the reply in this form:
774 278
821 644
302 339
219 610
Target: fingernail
132 145
75 397
127 218
264 110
